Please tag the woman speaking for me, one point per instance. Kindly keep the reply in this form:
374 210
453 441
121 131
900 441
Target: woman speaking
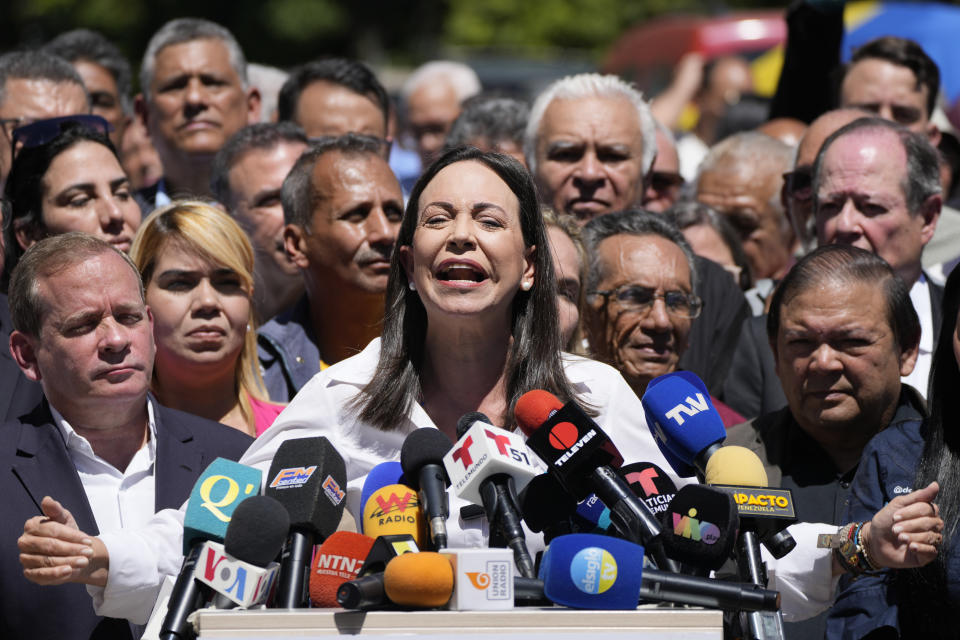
470 325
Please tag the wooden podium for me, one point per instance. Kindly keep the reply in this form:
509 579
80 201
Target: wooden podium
515 624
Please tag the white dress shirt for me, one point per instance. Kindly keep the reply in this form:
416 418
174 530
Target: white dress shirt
920 296
139 560
117 498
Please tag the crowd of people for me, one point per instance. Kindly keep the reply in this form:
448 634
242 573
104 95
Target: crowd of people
222 263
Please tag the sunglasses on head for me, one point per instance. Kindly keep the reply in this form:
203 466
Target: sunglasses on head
41 132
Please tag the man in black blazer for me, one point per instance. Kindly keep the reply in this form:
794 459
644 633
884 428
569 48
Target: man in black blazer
83 331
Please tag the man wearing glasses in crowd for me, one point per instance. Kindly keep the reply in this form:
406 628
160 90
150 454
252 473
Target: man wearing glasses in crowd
34 86
641 297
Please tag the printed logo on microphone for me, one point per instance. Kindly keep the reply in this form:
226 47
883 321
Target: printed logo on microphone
689 527
292 478
343 567
690 409
593 570
396 508
333 490
493 581
563 435
479 580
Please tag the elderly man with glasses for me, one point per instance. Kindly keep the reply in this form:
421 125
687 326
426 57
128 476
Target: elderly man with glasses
641 297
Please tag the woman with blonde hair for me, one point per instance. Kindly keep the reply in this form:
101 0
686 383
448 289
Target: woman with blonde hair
197 269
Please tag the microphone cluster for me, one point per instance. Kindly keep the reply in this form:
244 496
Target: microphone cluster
618 534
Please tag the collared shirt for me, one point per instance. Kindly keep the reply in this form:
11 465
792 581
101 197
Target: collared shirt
118 498
920 296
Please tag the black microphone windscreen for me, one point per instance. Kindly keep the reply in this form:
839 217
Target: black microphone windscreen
467 420
650 484
701 526
309 478
257 531
422 447
544 502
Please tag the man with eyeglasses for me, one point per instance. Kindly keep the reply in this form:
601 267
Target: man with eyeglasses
641 297
34 86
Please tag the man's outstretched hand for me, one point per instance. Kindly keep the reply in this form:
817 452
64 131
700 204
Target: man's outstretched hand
53 550
906 533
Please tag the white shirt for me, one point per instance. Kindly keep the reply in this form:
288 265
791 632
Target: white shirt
140 559
117 498
920 296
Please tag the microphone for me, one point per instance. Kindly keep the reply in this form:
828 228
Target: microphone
650 484
547 508
482 579
218 491
421 457
365 590
421 580
394 510
588 571
381 475
703 521
756 504
336 561
385 549
466 421
740 473
683 421
242 571
308 477
578 453
486 466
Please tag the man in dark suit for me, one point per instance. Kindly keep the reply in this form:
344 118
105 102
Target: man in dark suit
97 441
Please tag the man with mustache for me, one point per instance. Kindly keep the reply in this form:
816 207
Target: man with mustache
342 207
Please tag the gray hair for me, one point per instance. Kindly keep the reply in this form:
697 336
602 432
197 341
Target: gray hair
84 44
297 195
460 77
493 118
922 179
268 80
262 135
47 257
37 65
634 222
759 150
187 30
589 85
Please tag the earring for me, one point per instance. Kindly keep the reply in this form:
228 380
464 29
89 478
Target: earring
525 285
412 285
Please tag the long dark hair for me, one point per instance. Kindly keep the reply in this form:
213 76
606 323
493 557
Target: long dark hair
924 602
534 358
24 187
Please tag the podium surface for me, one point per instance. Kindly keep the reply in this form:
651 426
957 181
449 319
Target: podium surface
515 624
